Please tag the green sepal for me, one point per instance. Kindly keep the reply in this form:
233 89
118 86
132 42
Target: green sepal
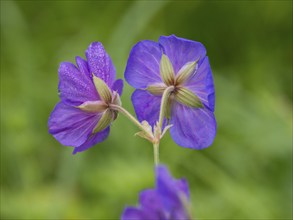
188 98
167 71
156 89
104 121
103 89
186 72
93 106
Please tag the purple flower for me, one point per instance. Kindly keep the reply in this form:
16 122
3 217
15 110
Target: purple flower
182 66
168 201
83 116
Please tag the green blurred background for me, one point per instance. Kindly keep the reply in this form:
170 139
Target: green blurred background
246 173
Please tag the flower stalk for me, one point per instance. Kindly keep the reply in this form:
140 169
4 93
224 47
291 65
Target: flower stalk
156 153
164 102
146 130
131 118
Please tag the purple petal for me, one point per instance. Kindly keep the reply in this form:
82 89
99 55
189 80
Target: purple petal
150 207
118 86
167 188
151 201
182 185
192 127
146 106
180 214
100 63
131 213
96 138
170 191
180 51
71 126
75 87
165 202
202 84
143 65
83 66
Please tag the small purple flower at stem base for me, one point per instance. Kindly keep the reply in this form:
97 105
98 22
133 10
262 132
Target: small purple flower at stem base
168 201
182 67
82 118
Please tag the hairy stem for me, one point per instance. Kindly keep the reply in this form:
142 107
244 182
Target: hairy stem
156 141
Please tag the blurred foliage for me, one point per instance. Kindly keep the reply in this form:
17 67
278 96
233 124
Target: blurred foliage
246 173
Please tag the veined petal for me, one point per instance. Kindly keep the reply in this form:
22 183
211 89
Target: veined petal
202 84
180 51
100 63
192 127
93 140
118 86
75 86
143 65
83 66
71 126
146 106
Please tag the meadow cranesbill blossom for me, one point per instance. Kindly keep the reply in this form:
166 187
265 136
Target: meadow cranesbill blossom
83 116
180 69
168 201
